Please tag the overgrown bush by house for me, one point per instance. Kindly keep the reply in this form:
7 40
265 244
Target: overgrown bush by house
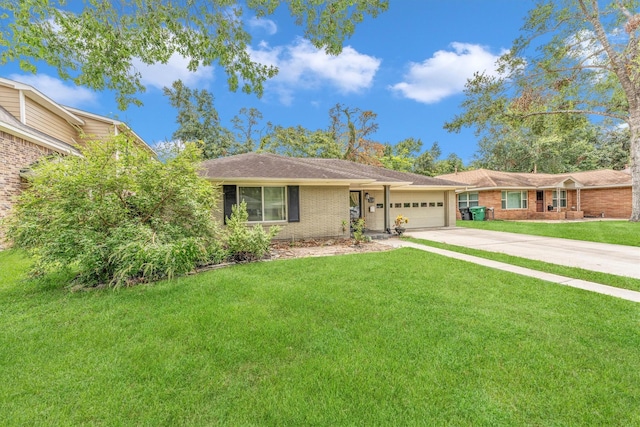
117 215
247 243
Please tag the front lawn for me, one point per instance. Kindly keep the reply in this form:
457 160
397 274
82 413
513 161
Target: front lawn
616 232
392 338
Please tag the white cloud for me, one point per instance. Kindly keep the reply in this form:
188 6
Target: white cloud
163 75
267 25
71 95
446 72
302 66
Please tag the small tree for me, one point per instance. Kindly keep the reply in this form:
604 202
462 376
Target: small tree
117 214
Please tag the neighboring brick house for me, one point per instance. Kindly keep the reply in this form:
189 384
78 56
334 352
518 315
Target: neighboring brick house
311 197
521 196
32 126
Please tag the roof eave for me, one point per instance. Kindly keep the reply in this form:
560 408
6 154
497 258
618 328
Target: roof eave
300 181
52 145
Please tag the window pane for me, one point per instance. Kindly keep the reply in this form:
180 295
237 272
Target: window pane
274 204
513 200
473 196
253 197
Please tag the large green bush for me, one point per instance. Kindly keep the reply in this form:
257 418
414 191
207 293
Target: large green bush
246 243
117 215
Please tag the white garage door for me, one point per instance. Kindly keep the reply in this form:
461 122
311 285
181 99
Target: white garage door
424 209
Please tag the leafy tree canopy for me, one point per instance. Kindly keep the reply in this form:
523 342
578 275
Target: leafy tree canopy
299 142
402 156
198 121
575 57
96 42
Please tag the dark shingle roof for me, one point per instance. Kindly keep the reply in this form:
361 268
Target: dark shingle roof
272 166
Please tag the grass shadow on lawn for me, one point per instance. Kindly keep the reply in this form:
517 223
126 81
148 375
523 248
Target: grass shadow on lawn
393 338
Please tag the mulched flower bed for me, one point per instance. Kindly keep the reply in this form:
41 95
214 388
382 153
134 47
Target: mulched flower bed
322 247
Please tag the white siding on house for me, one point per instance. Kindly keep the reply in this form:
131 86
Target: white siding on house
96 129
43 120
10 101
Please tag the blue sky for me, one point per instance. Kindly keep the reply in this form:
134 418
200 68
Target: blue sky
408 65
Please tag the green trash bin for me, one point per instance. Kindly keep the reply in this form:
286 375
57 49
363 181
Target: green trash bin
478 213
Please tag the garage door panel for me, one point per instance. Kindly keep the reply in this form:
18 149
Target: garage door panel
427 213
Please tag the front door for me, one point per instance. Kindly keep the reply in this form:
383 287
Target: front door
539 201
355 205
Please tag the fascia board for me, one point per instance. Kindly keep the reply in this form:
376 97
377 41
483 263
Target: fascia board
472 188
288 181
42 99
432 187
114 122
49 104
53 145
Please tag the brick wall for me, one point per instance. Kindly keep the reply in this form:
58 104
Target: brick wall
15 154
613 202
322 210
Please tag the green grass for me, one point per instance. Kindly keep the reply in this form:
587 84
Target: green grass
573 272
616 232
394 338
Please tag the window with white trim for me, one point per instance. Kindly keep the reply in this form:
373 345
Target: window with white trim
514 200
563 198
467 200
264 203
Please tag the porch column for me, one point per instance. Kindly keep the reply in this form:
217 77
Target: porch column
387 213
578 199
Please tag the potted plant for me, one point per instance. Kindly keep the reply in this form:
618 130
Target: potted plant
400 223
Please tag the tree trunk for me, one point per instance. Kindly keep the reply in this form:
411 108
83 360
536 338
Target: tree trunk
634 127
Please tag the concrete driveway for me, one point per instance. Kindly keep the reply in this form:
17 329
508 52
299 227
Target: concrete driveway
602 257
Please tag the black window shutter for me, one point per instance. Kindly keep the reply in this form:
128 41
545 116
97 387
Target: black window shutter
230 199
293 197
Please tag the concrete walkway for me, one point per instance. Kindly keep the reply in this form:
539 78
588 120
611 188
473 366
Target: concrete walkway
612 259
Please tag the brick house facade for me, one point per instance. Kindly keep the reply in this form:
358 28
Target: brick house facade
17 153
316 198
602 193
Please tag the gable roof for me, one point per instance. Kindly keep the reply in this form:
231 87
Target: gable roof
42 99
73 116
11 125
252 167
489 179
